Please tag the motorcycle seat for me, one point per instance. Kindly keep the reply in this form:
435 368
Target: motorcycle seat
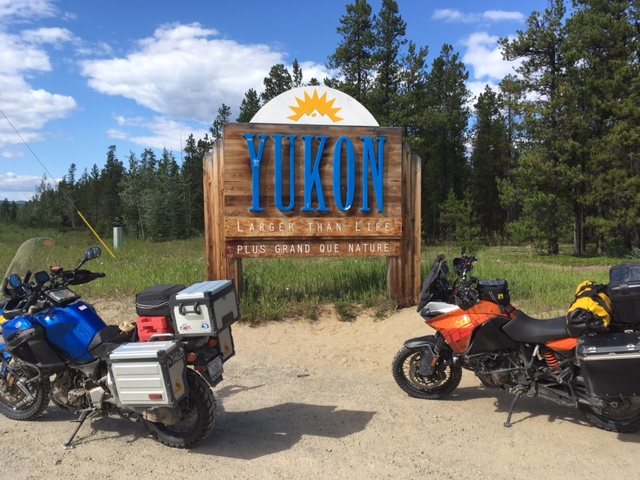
524 328
107 340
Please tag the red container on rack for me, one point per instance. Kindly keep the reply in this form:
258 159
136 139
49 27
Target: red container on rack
148 326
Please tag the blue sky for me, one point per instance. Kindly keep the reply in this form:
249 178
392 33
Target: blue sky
78 76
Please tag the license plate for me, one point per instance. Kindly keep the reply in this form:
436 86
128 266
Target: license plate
215 368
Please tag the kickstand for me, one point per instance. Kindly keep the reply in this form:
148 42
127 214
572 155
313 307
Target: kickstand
507 424
83 416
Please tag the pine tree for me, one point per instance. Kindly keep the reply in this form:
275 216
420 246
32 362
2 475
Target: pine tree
545 207
224 114
110 178
5 212
296 80
412 94
278 81
166 214
389 32
192 177
602 55
249 106
66 190
489 160
353 59
444 128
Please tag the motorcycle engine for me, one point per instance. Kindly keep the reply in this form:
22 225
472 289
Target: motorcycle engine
68 392
492 370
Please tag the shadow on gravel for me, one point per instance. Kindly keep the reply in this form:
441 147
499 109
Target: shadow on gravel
255 433
527 408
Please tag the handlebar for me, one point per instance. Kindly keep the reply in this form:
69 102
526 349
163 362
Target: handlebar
84 276
32 295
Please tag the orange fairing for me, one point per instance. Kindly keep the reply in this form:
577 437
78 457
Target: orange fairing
457 327
564 345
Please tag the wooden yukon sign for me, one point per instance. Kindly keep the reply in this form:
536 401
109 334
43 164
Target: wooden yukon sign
312 191
306 182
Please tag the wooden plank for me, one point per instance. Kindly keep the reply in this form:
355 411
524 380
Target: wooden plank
209 213
403 273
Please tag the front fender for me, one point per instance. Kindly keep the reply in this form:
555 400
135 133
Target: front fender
420 342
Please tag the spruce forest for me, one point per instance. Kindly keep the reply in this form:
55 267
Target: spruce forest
550 157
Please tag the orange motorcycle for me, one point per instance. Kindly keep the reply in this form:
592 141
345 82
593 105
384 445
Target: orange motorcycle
583 360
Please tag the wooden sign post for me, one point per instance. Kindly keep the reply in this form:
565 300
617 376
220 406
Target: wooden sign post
301 190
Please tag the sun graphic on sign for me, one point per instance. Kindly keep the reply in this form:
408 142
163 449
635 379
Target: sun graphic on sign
313 106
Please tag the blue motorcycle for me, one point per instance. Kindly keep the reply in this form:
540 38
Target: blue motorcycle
56 347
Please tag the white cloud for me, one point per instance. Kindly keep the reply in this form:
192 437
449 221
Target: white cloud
502 16
485 56
27 110
11 153
23 9
18 187
186 72
98 49
18 56
313 70
450 15
163 132
53 36
23 107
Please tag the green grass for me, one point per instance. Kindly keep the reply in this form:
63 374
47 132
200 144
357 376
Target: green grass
274 289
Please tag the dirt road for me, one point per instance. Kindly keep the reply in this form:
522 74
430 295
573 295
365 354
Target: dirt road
317 400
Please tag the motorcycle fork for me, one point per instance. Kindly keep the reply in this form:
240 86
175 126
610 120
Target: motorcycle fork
12 377
430 356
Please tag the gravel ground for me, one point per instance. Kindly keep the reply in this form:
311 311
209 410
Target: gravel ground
304 400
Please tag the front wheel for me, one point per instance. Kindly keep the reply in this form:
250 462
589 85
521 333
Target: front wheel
620 415
14 402
444 379
197 415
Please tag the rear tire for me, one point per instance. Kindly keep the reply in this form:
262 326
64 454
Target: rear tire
199 410
621 415
442 382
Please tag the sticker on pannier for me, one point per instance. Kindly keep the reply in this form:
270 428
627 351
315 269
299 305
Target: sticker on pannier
591 309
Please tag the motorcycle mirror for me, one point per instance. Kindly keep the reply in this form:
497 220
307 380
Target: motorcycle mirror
14 280
92 253
463 251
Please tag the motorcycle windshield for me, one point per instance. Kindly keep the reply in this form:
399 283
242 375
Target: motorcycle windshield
32 256
438 266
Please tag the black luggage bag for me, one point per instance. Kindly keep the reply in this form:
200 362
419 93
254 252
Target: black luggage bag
154 301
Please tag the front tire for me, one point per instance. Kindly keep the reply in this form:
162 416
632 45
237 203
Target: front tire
14 403
198 408
442 382
620 415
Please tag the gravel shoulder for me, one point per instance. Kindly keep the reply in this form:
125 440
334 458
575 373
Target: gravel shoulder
304 400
